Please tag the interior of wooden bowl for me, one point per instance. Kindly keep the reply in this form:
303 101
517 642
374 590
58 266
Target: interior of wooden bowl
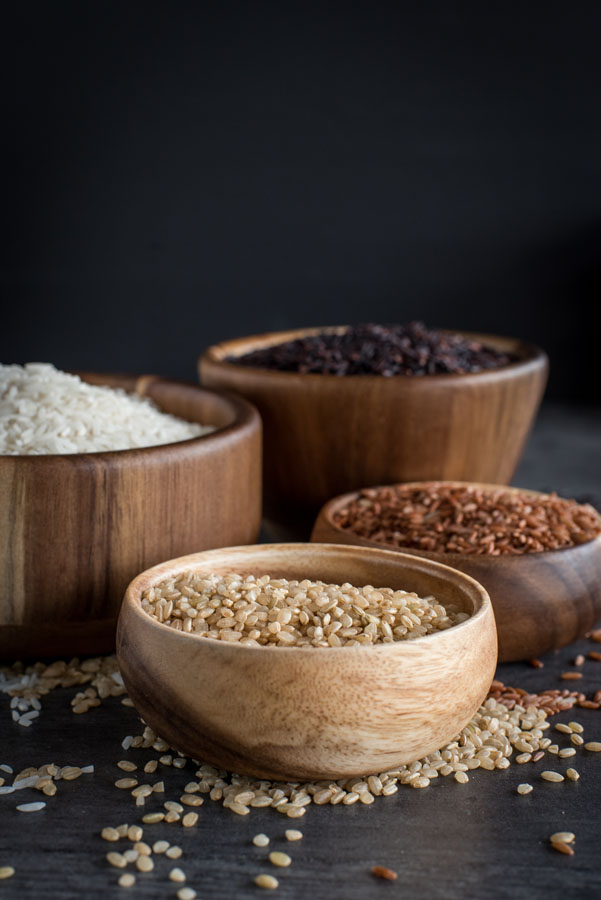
332 563
186 401
219 353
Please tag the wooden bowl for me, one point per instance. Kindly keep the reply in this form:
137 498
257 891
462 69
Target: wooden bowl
76 528
542 601
306 712
328 434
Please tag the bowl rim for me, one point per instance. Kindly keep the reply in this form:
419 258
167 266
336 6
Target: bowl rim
531 358
245 416
132 598
440 555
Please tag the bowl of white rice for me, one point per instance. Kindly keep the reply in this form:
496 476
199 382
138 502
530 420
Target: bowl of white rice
102 476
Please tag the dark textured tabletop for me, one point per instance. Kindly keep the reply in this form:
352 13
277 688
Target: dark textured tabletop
478 840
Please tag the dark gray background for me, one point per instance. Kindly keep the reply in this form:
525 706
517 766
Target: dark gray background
179 173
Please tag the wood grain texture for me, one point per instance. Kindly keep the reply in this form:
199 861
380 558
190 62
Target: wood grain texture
310 712
74 529
541 601
325 434
475 841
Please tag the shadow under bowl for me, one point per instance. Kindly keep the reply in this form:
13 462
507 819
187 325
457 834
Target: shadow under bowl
305 712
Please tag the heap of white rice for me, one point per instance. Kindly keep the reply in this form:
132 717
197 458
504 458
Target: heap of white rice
44 410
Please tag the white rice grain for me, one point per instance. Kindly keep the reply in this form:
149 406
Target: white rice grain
44 410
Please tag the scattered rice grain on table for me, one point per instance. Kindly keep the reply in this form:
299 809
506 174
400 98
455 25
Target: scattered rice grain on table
524 788
384 872
267 881
567 837
27 685
487 742
509 720
160 846
144 864
186 894
562 847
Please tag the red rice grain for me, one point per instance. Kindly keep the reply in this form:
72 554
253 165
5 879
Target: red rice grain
472 521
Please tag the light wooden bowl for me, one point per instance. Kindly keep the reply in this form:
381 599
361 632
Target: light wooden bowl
76 528
327 434
542 601
299 713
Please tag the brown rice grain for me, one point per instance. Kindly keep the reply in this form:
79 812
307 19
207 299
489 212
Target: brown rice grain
267 881
191 800
144 864
125 784
109 834
315 611
153 818
567 837
186 893
142 848
160 846
293 835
